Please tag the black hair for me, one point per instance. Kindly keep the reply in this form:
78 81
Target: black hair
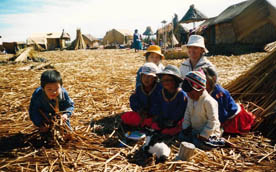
147 56
186 86
50 76
210 76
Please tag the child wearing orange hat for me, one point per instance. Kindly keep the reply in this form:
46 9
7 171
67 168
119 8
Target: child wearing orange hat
154 55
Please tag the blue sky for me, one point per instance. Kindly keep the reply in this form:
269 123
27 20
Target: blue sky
20 18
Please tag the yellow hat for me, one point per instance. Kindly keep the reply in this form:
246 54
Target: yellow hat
154 49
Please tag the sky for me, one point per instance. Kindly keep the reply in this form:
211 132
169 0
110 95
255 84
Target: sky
20 18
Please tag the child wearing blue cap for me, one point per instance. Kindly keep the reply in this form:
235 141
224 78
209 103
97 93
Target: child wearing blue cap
143 100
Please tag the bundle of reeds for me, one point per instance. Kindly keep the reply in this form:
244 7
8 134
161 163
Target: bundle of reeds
78 43
176 53
258 86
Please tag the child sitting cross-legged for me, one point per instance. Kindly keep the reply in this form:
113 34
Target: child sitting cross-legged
50 100
172 102
143 100
201 124
233 117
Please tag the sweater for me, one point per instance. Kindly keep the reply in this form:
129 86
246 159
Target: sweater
141 100
187 67
226 104
202 116
40 102
172 109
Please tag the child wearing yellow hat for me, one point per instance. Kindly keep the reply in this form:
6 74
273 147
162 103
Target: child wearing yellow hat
154 55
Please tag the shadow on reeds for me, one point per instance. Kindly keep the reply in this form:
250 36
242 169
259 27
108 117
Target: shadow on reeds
21 141
106 125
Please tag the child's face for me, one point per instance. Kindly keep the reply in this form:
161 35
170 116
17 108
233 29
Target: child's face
52 90
148 80
195 95
154 58
194 52
168 82
210 84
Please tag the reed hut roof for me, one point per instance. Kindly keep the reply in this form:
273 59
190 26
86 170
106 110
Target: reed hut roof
193 15
148 31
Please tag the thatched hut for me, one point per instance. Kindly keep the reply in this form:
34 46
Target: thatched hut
118 36
90 41
243 27
180 32
49 41
193 15
78 43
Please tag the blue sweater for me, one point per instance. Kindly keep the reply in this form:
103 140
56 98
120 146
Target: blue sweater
172 109
40 101
226 104
143 101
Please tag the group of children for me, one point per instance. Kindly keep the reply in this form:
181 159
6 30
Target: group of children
187 103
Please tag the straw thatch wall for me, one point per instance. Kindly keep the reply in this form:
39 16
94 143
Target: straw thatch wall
250 25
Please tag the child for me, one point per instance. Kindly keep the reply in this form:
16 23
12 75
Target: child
154 55
172 102
232 116
197 60
48 100
143 100
201 116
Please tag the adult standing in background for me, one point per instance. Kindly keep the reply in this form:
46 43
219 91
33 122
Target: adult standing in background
197 60
137 41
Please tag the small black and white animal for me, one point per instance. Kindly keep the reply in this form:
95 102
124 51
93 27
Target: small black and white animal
155 145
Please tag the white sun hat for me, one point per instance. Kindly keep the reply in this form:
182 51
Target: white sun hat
149 68
196 41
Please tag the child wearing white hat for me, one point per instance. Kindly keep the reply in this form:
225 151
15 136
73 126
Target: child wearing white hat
197 60
143 100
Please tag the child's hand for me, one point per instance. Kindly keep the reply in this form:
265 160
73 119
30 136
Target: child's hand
64 117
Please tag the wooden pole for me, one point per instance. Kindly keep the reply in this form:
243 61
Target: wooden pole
186 151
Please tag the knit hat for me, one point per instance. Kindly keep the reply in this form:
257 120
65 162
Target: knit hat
196 41
154 49
196 80
171 70
149 68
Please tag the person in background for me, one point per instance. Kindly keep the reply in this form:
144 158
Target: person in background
197 60
137 41
154 55
233 117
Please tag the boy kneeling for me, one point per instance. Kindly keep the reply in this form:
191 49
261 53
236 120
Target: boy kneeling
49 100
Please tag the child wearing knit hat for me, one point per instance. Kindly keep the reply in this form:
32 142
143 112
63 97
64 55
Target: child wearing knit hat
201 123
